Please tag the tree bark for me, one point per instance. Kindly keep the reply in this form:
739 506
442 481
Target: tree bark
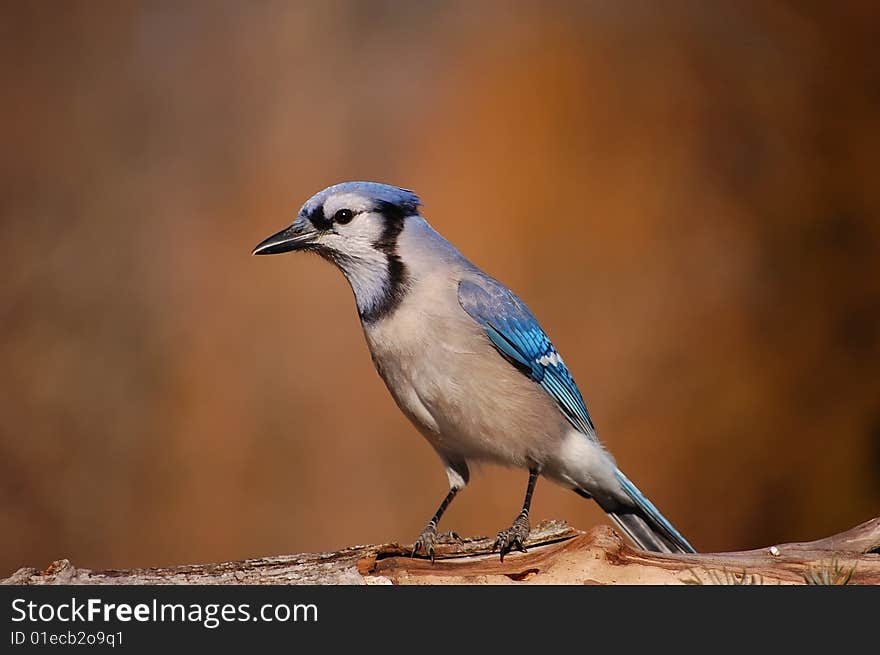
557 554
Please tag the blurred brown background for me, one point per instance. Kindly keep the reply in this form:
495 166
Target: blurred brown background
685 194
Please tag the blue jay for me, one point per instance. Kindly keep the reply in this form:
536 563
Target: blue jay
465 359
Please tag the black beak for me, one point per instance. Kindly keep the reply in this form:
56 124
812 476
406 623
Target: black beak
289 239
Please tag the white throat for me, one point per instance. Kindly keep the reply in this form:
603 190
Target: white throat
369 278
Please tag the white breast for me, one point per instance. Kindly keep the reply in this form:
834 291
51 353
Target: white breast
447 378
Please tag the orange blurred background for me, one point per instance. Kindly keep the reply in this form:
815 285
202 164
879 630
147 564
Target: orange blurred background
685 194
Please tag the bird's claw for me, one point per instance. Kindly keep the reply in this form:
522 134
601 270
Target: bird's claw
429 537
513 538
448 538
425 542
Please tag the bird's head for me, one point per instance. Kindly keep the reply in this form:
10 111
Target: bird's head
355 225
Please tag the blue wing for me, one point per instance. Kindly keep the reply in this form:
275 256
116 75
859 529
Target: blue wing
515 333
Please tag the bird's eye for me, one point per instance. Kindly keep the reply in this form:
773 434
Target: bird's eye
343 216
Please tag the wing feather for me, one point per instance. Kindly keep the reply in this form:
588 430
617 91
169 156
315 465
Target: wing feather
517 336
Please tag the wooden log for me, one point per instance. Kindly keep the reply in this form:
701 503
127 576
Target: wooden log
557 554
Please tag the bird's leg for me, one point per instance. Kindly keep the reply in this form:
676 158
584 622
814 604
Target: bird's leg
429 536
515 535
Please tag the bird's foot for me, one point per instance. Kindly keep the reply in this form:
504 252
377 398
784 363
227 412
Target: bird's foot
429 537
513 537
449 537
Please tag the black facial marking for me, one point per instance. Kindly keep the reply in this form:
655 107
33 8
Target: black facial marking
318 219
394 216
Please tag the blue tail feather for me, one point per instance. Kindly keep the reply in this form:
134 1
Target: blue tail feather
647 526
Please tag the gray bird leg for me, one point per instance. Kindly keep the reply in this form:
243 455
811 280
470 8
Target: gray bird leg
515 535
429 535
